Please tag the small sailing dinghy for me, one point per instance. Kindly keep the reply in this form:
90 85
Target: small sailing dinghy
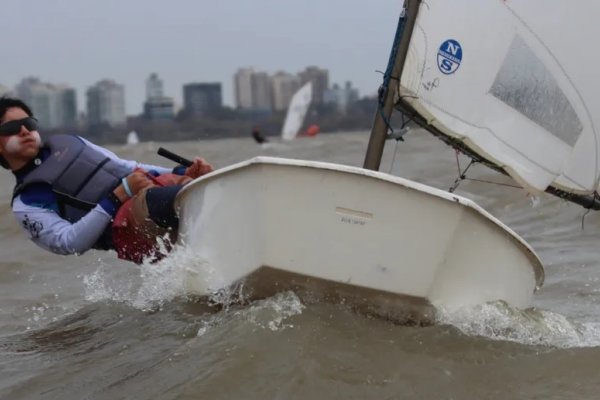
385 244
132 138
500 81
294 118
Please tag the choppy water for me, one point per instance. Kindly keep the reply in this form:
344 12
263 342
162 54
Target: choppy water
93 327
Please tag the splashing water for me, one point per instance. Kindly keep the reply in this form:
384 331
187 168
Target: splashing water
271 313
499 321
107 284
183 273
147 286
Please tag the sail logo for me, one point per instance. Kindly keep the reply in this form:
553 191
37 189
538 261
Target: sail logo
449 56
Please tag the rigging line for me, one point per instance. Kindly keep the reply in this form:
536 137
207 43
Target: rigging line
387 76
394 156
596 197
398 138
405 122
461 175
381 94
493 183
583 218
394 78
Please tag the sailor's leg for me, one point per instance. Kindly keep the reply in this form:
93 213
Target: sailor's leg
161 205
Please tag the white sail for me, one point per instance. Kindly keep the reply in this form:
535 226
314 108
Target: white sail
296 112
515 82
132 138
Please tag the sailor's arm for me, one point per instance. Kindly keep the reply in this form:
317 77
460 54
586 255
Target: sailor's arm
38 215
51 232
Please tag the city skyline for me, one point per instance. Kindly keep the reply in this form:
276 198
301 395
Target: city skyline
256 92
186 41
13 90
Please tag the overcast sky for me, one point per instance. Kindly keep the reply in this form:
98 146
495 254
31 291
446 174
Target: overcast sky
79 42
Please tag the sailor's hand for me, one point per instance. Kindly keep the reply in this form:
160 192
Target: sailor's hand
131 185
198 168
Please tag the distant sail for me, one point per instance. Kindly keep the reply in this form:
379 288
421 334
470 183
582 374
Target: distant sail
132 138
296 112
514 82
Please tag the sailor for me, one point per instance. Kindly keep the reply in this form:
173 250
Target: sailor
69 190
258 137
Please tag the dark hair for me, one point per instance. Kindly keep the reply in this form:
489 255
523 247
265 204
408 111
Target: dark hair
5 104
8 102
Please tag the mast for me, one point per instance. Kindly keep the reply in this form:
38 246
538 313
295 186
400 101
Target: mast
386 95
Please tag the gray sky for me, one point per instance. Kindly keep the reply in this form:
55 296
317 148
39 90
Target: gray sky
79 42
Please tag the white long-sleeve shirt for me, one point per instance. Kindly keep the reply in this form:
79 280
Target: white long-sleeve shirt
36 210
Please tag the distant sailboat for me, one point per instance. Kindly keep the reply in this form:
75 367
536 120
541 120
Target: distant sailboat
132 138
296 113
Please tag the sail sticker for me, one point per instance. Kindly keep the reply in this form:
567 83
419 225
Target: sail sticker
449 56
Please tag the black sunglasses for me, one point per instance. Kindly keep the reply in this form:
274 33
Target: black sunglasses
13 127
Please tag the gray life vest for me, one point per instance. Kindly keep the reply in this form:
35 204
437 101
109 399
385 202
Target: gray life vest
79 175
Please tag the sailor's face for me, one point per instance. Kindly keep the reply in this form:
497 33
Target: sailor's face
23 145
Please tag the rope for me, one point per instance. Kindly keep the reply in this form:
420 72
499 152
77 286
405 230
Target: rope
387 76
399 138
596 197
583 218
463 177
461 174
394 157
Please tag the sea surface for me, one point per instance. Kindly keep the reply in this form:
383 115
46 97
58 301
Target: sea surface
94 327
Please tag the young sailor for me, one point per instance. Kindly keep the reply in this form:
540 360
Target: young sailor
68 190
258 137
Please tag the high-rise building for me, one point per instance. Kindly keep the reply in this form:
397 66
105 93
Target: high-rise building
67 98
283 87
252 90
341 97
261 92
106 104
157 106
242 82
202 99
5 91
154 87
320 80
55 106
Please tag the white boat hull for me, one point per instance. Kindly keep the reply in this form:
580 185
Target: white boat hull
350 234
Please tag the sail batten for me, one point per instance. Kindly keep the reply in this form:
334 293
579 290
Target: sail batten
512 84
